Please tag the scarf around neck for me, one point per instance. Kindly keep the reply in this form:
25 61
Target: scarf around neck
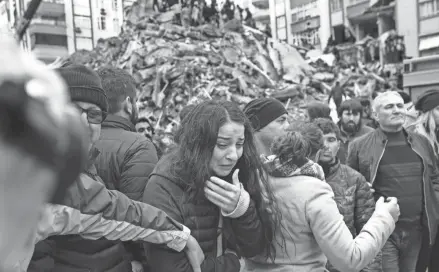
288 169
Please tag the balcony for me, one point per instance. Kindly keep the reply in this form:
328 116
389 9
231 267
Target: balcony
261 4
261 15
39 25
48 53
429 25
51 8
356 8
305 24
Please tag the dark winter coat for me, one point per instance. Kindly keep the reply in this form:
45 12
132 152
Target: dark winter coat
366 152
127 158
244 234
354 200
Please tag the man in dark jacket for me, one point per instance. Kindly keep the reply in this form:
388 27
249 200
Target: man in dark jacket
399 163
90 211
127 159
351 192
351 126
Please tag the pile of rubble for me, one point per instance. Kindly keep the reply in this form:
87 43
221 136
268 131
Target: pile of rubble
175 64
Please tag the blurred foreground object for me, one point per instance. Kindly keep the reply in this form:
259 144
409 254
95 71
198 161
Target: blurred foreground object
43 146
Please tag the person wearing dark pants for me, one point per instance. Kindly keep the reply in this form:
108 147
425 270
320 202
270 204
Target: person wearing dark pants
400 163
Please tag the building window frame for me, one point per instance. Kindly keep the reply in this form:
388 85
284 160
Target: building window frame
335 5
428 8
281 27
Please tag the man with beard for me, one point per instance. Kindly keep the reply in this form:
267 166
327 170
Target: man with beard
351 192
126 158
350 113
269 119
402 164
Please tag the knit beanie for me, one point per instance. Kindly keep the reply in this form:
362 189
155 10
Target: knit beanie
84 85
427 101
263 111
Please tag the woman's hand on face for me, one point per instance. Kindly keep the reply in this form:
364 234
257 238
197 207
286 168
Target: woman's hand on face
194 253
222 193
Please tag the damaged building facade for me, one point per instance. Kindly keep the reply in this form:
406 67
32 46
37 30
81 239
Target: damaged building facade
311 22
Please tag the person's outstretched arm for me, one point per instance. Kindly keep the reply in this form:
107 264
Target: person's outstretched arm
343 251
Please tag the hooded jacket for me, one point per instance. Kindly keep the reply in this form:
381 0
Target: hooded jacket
243 234
91 212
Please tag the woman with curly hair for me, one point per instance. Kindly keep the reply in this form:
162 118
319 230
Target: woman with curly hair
313 227
213 182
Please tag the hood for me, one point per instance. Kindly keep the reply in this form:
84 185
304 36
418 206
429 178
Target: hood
276 168
163 170
114 121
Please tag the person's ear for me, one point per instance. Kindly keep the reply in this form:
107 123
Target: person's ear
375 116
128 105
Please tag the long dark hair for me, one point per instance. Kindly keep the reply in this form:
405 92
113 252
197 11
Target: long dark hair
197 137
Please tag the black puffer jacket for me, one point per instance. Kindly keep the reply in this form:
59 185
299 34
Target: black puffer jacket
354 200
168 193
127 158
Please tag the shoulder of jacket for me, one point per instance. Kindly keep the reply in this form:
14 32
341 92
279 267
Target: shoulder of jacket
363 138
351 172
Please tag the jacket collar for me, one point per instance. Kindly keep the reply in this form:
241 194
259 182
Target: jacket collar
114 121
331 169
383 137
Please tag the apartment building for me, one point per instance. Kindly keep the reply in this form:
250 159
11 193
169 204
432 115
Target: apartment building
416 20
60 27
300 22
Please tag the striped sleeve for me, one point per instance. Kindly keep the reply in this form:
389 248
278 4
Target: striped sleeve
64 220
93 211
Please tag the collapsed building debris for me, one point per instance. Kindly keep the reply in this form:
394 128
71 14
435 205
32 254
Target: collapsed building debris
179 64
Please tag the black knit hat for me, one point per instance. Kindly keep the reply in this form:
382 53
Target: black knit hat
263 111
84 85
427 101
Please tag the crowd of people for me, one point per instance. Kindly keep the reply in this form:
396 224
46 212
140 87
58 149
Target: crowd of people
241 189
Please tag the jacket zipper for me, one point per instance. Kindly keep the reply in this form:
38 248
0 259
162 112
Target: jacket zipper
425 193
379 160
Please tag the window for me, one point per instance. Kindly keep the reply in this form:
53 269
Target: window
281 22
115 6
335 5
116 25
279 7
84 43
82 22
428 8
50 39
82 10
102 23
281 27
